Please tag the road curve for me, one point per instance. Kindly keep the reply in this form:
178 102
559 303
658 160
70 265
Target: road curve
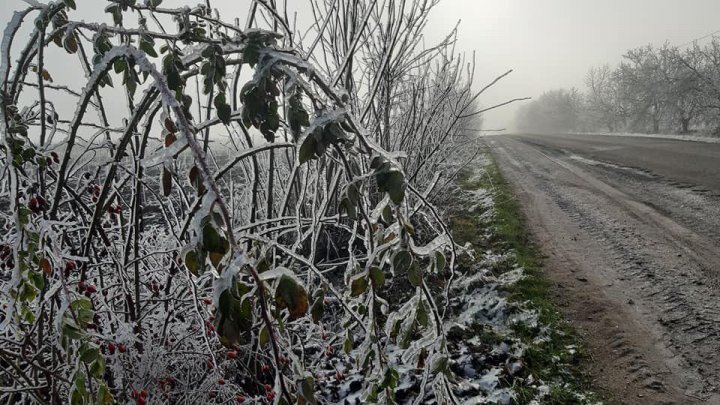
631 230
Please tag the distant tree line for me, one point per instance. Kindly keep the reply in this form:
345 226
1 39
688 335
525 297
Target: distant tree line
653 90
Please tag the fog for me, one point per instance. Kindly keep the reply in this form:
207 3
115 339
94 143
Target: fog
549 44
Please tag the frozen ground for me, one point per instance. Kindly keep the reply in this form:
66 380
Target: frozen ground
632 228
694 138
487 357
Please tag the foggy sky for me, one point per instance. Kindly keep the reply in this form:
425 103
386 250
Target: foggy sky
549 43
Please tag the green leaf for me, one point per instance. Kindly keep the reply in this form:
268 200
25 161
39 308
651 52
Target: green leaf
81 303
37 279
147 47
353 192
97 369
317 310
422 314
440 261
390 380
104 395
307 390
401 261
291 295
70 4
212 241
358 285
307 149
264 336
347 206
348 345
224 113
415 275
80 384
234 315
71 331
119 65
85 316
24 213
89 354
251 55
77 398
439 364
193 262
393 182
377 277
70 44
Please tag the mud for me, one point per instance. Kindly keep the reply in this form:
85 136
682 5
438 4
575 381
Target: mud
634 252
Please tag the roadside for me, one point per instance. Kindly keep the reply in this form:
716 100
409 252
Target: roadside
631 259
707 138
512 336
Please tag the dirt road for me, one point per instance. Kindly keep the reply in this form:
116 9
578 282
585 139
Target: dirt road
631 228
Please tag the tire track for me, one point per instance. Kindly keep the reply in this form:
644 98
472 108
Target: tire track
648 264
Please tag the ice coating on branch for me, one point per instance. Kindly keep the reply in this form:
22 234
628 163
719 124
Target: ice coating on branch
35 3
165 155
434 245
227 278
8 35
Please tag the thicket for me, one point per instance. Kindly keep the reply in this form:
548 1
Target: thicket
653 90
242 230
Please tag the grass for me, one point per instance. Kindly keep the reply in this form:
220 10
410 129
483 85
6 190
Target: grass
559 359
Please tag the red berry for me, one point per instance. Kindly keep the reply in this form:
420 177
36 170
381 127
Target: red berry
221 381
265 368
232 354
143 394
122 348
270 396
82 286
91 288
268 387
111 347
207 301
240 399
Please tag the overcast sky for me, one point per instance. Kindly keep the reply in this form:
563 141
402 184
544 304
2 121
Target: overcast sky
549 43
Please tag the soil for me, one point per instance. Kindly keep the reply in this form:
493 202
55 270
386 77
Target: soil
635 257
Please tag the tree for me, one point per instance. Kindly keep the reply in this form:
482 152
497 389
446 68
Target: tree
554 111
604 108
142 259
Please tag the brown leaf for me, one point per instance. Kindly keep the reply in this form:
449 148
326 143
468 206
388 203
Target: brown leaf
45 266
291 295
170 125
166 182
170 139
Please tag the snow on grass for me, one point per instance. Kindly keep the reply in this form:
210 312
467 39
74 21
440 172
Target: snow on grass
693 138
